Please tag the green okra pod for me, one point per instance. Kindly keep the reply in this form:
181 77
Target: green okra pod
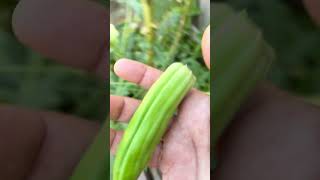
241 57
150 121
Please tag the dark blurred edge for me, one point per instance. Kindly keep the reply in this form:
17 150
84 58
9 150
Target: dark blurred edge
95 164
301 74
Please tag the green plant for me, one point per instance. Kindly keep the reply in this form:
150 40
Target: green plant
150 121
158 33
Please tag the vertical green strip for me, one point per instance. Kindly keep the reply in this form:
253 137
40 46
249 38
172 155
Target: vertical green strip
95 162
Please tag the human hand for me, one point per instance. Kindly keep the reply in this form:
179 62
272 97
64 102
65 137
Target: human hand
313 7
39 145
185 151
274 136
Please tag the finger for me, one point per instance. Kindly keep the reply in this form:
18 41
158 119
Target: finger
206 46
67 139
121 109
73 32
15 125
136 72
313 6
41 145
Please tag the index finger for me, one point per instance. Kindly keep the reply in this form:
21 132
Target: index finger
136 72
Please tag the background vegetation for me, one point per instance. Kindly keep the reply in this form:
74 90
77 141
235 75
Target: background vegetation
169 36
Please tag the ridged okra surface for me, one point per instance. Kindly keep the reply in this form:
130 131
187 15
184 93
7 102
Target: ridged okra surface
241 58
150 121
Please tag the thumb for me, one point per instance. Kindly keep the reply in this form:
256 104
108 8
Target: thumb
313 9
206 46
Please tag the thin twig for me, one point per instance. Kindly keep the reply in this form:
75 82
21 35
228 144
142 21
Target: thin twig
149 29
180 31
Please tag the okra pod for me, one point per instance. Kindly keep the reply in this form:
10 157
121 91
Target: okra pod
241 58
150 121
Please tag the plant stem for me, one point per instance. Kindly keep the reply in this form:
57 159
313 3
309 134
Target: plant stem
124 46
149 29
125 34
180 31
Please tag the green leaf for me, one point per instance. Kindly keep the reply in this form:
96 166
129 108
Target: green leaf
118 126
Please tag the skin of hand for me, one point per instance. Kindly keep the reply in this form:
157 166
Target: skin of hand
275 135
313 7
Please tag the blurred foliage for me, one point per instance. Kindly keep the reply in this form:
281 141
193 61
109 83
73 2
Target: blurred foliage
30 80
170 37
296 39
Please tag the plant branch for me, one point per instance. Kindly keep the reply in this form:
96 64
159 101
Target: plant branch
180 31
149 29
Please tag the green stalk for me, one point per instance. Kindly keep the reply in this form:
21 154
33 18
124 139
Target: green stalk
180 31
149 29
241 59
94 164
124 52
